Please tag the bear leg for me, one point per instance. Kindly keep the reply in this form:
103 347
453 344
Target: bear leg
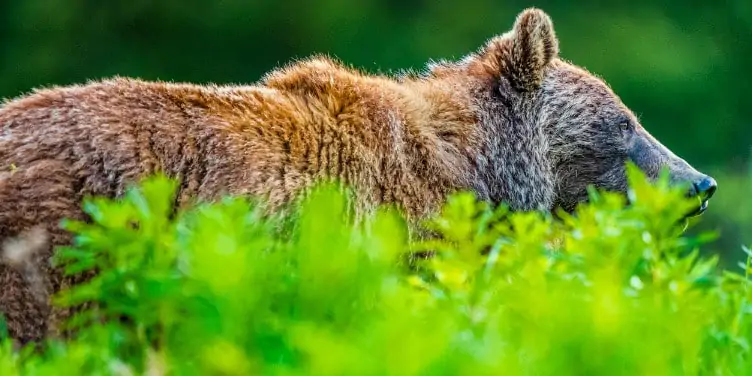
34 199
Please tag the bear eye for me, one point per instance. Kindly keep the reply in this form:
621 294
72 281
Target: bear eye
624 126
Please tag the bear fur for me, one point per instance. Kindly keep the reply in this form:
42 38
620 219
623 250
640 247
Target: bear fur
512 122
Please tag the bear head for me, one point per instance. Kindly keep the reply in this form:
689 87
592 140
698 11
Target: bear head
557 127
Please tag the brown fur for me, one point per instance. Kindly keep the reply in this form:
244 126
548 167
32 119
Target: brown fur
512 122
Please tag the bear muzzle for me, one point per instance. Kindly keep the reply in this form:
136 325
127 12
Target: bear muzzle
703 188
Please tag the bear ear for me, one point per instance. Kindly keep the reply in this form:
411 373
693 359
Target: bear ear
533 46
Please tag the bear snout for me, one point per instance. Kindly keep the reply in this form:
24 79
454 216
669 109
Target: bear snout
705 187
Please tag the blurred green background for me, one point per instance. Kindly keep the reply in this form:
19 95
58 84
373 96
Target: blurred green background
683 66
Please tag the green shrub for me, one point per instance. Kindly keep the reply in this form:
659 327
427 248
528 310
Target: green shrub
222 289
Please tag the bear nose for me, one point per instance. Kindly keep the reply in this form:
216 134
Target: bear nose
705 187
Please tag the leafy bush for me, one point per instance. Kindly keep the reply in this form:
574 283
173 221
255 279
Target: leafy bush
222 289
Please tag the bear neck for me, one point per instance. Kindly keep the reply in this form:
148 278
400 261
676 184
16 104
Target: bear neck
489 137
425 137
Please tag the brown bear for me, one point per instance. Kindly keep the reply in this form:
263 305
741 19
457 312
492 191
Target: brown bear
511 122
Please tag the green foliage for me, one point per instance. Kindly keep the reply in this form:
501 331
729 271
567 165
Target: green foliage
218 289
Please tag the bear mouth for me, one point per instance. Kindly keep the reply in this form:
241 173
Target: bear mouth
699 210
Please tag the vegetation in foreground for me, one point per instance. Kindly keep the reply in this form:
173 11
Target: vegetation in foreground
219 290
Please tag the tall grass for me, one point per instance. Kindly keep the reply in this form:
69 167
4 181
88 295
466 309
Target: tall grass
221 289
